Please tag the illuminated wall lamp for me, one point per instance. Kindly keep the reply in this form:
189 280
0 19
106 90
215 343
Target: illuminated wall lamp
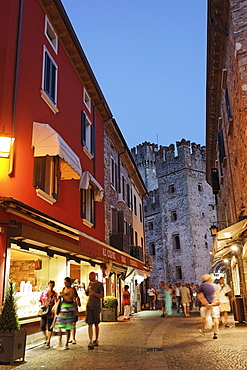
5 145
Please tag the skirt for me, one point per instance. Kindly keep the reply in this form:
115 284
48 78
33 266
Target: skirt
66 318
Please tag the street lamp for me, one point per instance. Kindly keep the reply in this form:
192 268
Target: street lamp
5 144
214 230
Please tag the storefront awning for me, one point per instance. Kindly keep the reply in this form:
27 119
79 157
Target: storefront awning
46 141
226 238
86 178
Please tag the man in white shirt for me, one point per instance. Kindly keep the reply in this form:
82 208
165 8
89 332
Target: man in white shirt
178 296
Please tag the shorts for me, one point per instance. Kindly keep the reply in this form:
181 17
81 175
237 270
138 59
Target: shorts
162 303
93 315
225 307
43 322
214 311
151 298
186 304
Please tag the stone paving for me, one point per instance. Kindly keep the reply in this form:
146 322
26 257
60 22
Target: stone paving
145 342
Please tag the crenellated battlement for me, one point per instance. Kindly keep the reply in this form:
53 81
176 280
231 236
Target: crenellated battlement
148 153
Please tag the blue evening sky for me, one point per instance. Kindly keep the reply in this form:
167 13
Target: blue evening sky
149 58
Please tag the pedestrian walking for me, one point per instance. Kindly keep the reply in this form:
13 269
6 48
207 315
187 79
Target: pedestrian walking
65 318
178 297
168 301
95 293
151 297
161 297
77 303
210 304
185 299
126 302
225 293
48 297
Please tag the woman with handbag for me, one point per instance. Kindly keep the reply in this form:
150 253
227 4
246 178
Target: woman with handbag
66 317
47 299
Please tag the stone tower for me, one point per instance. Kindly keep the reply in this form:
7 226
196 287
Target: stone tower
178 212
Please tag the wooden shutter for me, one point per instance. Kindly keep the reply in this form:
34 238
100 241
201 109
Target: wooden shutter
39 172
83 203
92 140
114 221
56 176
221 146
83 128
120 216
92 210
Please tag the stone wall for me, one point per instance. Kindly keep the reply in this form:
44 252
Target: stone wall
23 270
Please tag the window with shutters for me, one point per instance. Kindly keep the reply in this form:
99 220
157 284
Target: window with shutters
49 81
114 173
119 225
123 188
46 174
228 106
171 189
135 207
88 206
87 135
128 194
140 212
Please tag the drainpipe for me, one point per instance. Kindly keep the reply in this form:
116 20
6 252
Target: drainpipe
17 67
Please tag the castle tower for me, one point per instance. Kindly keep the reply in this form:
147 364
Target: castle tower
178 212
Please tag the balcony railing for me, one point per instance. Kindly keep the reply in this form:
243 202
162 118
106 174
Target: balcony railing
136 251
120 242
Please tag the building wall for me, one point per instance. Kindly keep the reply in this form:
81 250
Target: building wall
179 179
31 107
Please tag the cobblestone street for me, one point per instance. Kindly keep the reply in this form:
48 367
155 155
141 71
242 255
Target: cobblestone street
146 341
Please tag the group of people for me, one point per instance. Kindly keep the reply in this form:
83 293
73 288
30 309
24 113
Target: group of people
213 301
63 313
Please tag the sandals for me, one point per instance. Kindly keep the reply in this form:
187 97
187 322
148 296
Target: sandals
47 345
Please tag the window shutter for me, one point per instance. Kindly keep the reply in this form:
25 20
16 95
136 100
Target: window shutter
39 173
120 215
221 146
114 221
83 128
53 82
83 203
56 175
116 175
92 140
92 210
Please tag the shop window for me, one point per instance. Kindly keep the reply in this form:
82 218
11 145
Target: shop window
88 206
51 34
46 172
174 216
86 99
152 249
87 135
176 242
49 85
179 275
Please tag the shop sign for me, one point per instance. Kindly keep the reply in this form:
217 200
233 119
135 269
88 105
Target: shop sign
95 249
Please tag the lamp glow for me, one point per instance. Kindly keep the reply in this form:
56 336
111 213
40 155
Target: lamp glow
226 260
234 248
5 146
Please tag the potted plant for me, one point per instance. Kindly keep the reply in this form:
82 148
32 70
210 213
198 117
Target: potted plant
12 338
109 309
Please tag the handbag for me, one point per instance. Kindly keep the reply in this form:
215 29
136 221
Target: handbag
44 310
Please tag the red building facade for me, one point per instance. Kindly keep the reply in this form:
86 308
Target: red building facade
52 179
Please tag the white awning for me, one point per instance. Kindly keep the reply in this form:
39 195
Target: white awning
86 178
46 141
225 238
